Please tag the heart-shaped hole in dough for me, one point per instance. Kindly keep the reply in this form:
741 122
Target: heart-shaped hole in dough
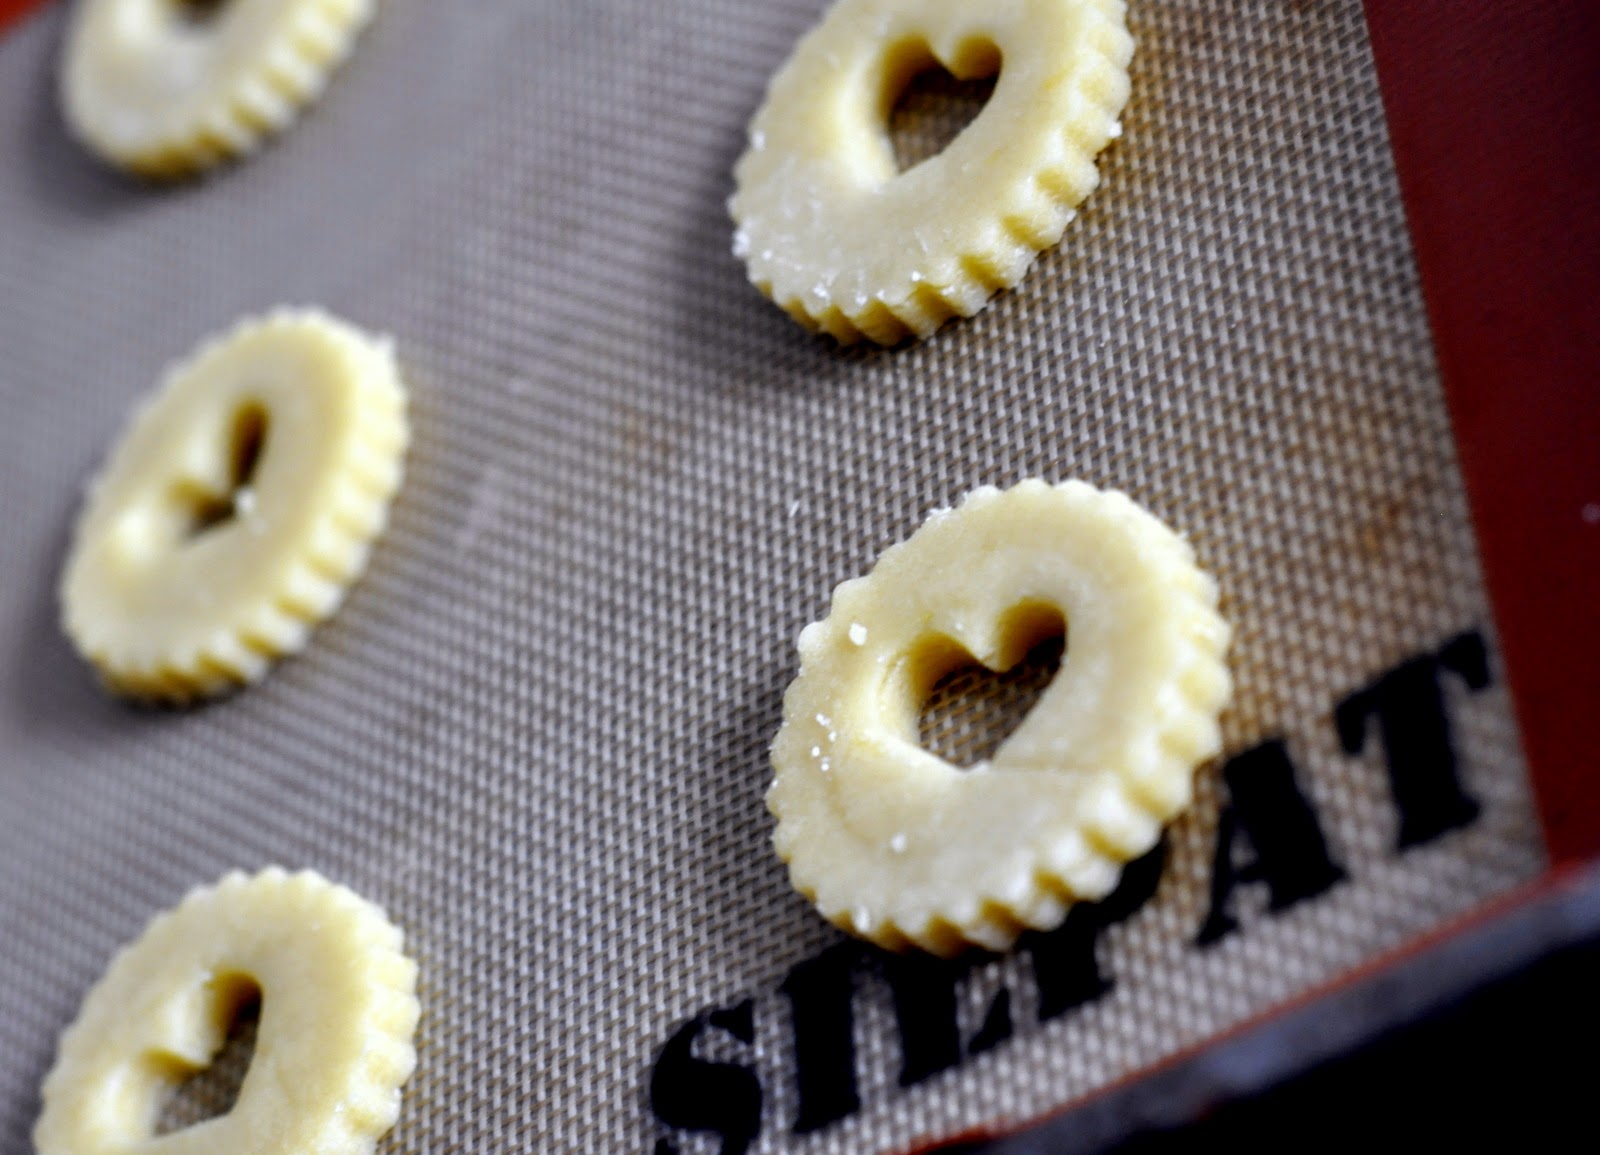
248 439
210 1091
199 12
968 709
927 105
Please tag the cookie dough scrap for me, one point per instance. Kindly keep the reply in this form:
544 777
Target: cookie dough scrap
168 88
896 845
238 507
334 1045
846 244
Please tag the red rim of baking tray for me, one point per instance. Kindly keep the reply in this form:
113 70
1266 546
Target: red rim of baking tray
1494 119
12 10
1494 116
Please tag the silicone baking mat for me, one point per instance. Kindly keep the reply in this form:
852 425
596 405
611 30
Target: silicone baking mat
537 731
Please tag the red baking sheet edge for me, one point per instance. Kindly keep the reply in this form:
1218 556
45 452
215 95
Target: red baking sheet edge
1494 115
13 10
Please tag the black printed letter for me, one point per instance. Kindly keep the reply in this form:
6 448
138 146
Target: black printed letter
820 993
925 1005
1415 728
1291 856
696 1095
1064 962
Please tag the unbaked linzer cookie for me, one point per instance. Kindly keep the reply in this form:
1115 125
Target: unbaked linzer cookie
895 844
848 245
333 1048
237 508
168 88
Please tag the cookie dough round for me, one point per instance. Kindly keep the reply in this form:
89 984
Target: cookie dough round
167 88
238 507
900 847
846 244
333 1048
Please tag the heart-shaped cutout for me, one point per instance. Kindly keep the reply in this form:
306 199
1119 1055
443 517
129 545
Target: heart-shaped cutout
198 13
971 709
207 506
928 104
206 1092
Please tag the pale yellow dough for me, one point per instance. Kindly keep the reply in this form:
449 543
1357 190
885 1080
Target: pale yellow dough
900 847
845 244
186 577
167 88
333 1047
